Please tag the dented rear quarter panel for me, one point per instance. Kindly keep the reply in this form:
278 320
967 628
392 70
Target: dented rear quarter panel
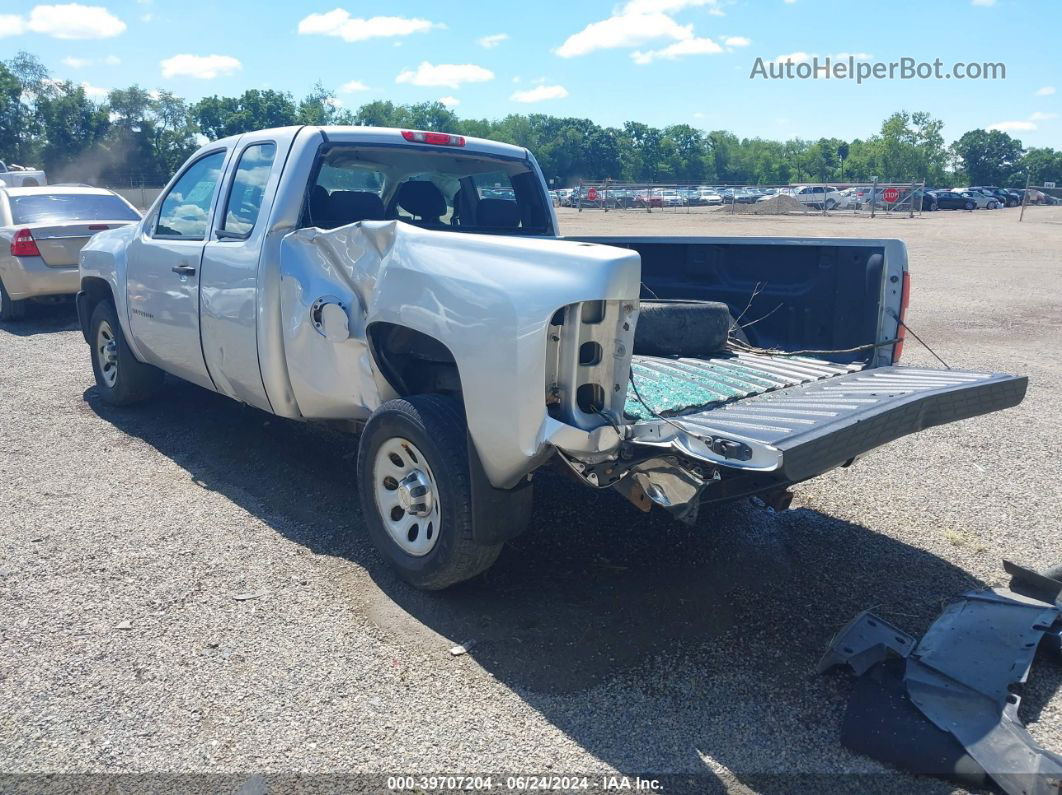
487 298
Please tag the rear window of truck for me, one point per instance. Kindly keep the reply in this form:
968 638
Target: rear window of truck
45 207
446 189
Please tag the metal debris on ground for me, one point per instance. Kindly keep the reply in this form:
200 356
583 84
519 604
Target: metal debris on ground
948 707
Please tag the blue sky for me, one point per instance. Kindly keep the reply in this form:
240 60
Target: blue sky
656 61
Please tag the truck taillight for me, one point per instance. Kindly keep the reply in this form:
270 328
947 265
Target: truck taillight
23 244
901 329
436 138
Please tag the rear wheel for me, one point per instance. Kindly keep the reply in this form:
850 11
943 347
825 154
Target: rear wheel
830 204
415 484
121 378
10 309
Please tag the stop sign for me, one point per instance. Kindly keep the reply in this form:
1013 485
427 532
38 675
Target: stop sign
592 194
891 195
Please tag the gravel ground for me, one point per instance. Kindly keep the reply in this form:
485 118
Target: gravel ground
187 587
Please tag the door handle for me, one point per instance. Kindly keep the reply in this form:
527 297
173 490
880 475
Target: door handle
183 270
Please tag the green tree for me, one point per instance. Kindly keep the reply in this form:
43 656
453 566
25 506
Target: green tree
988 157
219 117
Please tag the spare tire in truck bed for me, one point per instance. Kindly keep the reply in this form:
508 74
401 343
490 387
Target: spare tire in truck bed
681 328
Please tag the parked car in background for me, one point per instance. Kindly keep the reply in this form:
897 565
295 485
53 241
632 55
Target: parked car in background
741 196
706 197
818 196
15 176
672 198
42 231
952 200
648 197
983 199
1006 198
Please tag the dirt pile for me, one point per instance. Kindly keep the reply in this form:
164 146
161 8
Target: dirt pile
776 205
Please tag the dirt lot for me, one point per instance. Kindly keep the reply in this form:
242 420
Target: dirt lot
603 641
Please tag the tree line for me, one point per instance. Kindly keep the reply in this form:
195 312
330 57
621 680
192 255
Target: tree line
134 136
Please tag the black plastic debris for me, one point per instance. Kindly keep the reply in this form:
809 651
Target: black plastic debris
947 706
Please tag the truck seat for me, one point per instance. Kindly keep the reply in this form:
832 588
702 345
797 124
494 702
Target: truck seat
348 206
422 200
498 213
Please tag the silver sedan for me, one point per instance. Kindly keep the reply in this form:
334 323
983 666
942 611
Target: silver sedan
42 231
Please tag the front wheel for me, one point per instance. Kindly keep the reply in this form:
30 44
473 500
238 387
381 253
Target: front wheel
971 206
10 309
415 483
121 378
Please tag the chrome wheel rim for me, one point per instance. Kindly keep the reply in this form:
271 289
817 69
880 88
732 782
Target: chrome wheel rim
407 497
107 354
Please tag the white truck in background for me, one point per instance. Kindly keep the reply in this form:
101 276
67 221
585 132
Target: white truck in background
381 277
15 176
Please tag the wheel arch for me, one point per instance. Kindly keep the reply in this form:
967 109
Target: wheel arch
93 290
412 362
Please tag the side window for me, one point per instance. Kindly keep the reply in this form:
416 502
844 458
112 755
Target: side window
185 210
248 188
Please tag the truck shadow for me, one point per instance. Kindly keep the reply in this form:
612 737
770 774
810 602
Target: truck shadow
650 644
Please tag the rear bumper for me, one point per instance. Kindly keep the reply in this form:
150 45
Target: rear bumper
29 277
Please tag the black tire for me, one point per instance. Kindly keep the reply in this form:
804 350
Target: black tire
10 309
830 204
133 380
435 425
681 328
971 206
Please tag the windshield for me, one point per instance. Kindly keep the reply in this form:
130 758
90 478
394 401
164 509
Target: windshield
44 207
445 189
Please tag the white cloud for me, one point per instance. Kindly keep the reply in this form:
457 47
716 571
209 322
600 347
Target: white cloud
623 30
334 102
493 40
636 23
1046 91
737 41
1012 125
450 102
72 21
794 57
540 94
11 25
983 2
844 56
94 92
789 2
1041 116
341 24
451 75
204 67
351 86
678 49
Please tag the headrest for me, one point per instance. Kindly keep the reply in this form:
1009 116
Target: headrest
348 206
422 199
318 205
498 212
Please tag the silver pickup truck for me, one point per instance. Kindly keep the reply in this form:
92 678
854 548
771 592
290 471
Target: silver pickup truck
412 286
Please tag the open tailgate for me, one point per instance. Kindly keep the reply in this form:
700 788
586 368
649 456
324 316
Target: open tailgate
826 416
